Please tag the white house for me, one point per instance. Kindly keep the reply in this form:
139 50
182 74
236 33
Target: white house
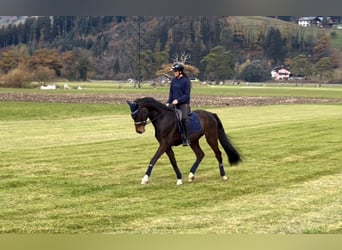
280 73
308 21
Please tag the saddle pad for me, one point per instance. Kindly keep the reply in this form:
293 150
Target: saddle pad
195 123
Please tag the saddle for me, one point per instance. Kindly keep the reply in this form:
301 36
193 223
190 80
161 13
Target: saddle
195 123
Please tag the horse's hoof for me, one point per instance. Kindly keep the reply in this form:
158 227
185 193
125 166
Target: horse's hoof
179 182
225 178
191 177
144 180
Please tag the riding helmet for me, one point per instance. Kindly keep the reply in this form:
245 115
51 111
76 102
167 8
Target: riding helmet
178 66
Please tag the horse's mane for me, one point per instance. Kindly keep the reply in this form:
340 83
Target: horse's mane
150 101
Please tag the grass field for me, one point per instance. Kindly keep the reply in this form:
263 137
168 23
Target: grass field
76 168
255 89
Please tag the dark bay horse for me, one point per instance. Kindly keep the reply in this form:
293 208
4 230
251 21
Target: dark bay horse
164 120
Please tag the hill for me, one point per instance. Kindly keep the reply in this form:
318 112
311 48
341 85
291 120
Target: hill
122 47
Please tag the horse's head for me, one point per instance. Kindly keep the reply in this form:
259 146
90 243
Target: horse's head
139 116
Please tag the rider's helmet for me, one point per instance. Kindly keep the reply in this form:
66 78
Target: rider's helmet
178 67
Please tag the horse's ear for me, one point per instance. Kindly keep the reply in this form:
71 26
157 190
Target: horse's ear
132 105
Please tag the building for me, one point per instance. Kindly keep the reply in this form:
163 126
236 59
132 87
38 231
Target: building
308 21
280 73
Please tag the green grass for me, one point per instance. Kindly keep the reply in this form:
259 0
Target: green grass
77 169
255 89
46 111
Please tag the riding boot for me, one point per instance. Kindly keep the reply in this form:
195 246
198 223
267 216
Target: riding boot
186 126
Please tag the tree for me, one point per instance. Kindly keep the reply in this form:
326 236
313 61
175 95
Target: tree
23 52
146 62
165 69
16 78
43 74
84 63
273 46
300 65
287 36
324 68
260 38
46 58
239 36
219 64
69 69
8 61
43 32
255 72
183 58
322 47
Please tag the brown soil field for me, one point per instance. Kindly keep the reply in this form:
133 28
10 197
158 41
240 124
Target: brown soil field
196 100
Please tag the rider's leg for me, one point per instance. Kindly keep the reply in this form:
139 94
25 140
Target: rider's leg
186 123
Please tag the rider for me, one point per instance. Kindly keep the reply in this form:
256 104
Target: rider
179 96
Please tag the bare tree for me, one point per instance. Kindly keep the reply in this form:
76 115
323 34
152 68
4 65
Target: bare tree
183 58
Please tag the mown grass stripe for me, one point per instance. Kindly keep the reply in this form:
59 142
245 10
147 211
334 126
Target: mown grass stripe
84 176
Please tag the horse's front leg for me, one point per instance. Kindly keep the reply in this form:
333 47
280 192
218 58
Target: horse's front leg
173 161
153 161
199 157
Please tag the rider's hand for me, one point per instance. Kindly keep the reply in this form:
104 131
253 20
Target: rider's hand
175 102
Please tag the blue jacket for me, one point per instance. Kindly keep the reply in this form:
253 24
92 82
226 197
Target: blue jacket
180 90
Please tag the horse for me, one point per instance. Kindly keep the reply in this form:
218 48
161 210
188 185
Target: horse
164 119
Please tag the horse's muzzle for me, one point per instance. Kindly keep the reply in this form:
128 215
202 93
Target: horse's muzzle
140 129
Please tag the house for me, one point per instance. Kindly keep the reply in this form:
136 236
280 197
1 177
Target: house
308 21
280 73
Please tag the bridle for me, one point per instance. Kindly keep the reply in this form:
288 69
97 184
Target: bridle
147 121
144 123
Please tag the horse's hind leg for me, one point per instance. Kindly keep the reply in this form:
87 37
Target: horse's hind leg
199 157
213 142
173 161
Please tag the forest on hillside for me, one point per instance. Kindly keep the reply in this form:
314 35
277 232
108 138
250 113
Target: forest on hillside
143 47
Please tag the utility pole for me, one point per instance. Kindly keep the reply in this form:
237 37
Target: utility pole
139 48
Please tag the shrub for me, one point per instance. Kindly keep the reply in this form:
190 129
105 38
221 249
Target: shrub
333 34
16 78
255 72
43 74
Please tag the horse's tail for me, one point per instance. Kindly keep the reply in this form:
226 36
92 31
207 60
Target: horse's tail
233 154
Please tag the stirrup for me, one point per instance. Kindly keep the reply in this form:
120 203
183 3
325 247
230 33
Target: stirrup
186 142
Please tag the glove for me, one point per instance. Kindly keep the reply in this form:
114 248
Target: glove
171 106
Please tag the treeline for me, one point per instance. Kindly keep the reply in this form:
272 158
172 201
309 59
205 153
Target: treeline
46 30
122 47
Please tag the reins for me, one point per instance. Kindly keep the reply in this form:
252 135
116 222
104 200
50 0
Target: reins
147 121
